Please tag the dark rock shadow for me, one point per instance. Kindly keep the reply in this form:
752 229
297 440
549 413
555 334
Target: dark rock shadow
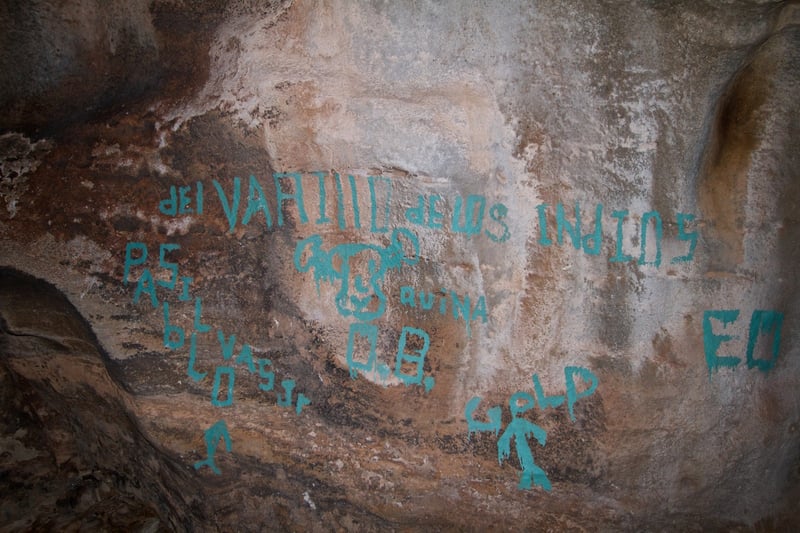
72 454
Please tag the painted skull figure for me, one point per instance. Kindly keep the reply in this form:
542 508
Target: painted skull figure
359 270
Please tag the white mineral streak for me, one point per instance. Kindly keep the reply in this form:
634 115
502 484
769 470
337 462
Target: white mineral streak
354 87
436 99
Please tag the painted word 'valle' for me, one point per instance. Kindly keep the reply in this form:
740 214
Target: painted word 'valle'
460 215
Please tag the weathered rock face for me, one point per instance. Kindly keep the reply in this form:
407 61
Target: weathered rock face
374 265
73 457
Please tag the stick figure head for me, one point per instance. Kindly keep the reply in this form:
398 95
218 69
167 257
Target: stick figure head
358 269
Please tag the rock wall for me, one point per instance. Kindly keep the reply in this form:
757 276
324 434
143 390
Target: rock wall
370 265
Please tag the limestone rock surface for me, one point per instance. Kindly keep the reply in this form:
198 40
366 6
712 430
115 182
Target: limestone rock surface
392 266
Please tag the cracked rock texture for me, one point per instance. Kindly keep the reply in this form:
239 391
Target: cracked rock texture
372 265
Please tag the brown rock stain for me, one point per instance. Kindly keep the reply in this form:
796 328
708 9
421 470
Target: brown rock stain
664 350
722 186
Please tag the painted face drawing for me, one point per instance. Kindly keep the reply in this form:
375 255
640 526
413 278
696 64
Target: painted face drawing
358 269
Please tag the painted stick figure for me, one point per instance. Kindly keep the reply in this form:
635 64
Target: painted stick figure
213 435
520 429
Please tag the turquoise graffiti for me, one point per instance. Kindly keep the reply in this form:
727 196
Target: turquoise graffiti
650 236
268 202
358 269
520 429
762 323
167 282
461 306
358 272
409 367
217 432
468 216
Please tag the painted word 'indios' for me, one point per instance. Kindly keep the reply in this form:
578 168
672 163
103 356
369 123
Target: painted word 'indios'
651 233
519 429
762 322
471 216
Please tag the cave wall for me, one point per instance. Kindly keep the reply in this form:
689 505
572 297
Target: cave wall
522 264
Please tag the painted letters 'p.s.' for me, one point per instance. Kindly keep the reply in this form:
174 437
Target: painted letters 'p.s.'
136 255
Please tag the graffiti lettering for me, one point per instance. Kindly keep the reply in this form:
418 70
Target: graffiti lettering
136 254
412 347
467 216
650 237
461 306
761 323
572 396
179 201
226 374
223 386
519 429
